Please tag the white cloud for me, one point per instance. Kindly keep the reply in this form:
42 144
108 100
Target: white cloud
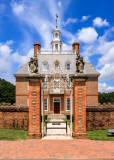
8 57
85 18
87 35
5 59
103 87
22 59
107 72
99 22
17 8
59 3
70 20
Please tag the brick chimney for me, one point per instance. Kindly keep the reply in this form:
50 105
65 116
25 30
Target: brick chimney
75 46
37 47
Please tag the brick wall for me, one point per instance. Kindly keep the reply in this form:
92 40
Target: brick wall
92 91
15 117
101 117
22 91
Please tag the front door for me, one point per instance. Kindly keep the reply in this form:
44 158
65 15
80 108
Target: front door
56 105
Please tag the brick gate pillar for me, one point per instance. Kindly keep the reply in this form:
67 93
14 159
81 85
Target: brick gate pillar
34 109
79 109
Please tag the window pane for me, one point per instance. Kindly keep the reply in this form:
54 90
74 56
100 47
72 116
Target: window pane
68 104
56 35
68 66
45 66
56 99
56 46
45 103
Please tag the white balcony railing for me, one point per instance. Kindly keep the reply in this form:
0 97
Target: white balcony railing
56 91
56 52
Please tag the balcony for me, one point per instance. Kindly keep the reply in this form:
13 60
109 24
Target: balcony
56 91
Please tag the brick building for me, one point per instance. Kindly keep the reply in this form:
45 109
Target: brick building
56 80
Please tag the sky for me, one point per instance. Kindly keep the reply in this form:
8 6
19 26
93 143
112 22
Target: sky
89 22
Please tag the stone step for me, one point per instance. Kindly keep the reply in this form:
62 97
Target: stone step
56 116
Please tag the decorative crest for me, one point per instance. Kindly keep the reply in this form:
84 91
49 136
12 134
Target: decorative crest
79 64
56 20
33 65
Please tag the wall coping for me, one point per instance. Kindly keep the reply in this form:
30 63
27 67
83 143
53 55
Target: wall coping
101 108
14 108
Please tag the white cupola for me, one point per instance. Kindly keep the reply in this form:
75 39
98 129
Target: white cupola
56 43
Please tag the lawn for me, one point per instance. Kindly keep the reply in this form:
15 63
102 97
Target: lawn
11 134
99 135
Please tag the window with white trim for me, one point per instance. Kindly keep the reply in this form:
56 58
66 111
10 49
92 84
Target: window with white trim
45 66
68 104
68 68
45 104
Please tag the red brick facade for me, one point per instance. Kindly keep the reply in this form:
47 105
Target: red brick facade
79 109
22 92
34 109
92 91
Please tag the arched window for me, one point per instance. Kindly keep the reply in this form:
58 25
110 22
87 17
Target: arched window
56 35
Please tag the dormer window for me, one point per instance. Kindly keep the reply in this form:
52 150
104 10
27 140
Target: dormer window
45 66
68 66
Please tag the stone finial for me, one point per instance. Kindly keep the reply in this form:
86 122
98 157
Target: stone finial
33 65
79 64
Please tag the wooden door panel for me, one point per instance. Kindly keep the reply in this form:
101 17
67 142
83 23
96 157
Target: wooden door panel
56 107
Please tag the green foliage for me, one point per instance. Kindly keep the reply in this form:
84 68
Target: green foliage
7 92
99 135
106 97
11 134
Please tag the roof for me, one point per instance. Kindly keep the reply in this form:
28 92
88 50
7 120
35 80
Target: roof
89 70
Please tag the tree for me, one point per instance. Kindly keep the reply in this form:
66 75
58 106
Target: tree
106 97
7 92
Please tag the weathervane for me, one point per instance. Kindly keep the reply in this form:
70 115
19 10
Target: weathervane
56 20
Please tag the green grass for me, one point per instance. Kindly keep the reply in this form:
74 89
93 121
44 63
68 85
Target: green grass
95 135
99 135
11 134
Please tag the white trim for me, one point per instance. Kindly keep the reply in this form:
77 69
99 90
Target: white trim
66 104
47 104
53 104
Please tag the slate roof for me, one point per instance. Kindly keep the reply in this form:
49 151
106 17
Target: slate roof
89 70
